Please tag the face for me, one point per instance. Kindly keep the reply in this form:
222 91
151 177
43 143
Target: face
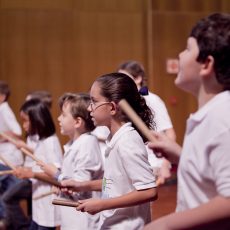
138 79
25 121
188 77
66 121
99 107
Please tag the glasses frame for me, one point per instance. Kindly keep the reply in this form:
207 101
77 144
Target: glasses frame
94 107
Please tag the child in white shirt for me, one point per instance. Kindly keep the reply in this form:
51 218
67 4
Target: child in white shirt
128 184
82 157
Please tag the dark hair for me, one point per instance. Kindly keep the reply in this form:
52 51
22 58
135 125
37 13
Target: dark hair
79 104
117 86
4 89
135 69
41 122
43 95
213 38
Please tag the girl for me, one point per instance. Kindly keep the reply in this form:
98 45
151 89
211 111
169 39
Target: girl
128 184
82 157
41 139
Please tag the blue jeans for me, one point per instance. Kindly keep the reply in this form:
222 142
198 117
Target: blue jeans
6 182
15 216
35 226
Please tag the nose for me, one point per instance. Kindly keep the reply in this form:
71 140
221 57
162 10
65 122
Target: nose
90 108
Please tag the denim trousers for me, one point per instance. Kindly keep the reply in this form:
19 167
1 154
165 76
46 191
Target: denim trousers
14 214
35 226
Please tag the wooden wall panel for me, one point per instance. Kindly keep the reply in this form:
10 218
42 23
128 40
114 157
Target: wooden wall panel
171 24
64 45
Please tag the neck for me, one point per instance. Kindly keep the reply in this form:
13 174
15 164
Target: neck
207 93
115 126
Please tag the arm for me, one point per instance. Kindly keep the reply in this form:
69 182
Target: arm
26 173
170 133
93 206
45 178
216 211
49 169
93 185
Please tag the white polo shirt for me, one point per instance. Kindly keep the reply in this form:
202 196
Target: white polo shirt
44 212
204 167
126 169
162 117
8 122
82 162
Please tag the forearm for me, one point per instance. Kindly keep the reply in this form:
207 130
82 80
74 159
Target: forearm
93 185
130 199
202 217
170 133
45 178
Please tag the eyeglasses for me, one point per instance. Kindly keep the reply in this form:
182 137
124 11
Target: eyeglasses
93 105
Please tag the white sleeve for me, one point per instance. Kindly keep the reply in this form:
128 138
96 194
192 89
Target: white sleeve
135 161
11 122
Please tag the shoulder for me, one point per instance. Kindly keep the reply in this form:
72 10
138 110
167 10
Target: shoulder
131 141
154 99
87 137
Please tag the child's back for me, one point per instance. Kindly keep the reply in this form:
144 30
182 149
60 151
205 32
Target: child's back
8 124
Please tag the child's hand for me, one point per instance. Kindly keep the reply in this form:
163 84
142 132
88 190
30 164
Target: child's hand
165 146
56 190
163 172
49 169
92 206
23 173
20 144
69 186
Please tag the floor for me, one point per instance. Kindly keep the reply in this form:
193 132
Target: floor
166 201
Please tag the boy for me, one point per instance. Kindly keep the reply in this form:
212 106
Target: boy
82 158
203 174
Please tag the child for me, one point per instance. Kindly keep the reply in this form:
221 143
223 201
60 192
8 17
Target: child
203 174
161 166
82 157
43 95
163 122
128 185
10 126
41 139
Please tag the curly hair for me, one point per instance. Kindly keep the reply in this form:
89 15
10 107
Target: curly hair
117 86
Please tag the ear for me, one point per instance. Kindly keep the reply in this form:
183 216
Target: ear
2 98
208 66
113 110
78 122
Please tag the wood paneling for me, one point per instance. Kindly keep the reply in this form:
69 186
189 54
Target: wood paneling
64 45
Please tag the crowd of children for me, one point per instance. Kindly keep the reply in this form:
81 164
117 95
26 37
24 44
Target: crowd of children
114 185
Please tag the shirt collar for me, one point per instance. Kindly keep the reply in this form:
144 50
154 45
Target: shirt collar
73 143
110 142
200 114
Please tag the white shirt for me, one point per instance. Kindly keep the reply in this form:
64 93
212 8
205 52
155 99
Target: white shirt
204 168
8 122
126 169
82 162
102 133
159 109
44 212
